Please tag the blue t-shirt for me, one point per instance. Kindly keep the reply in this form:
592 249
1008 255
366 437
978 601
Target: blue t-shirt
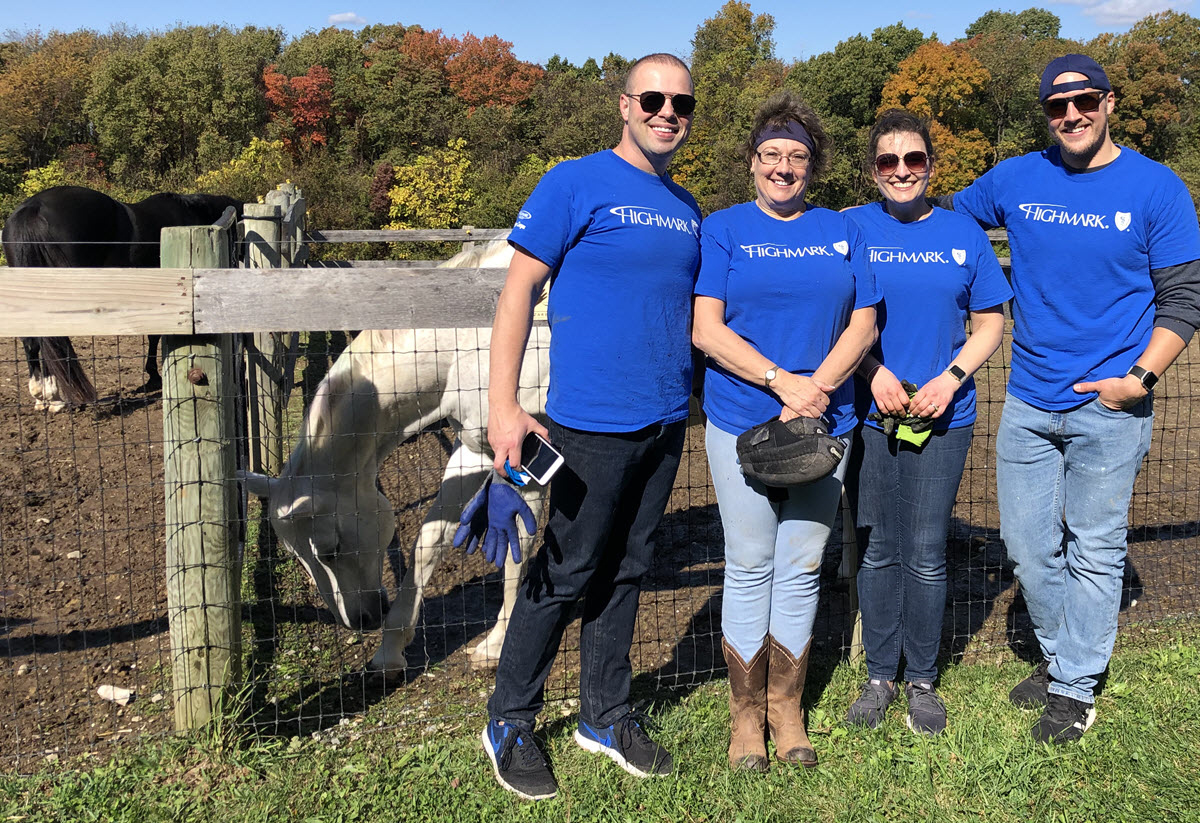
1083 245
622 246
789 288
932 273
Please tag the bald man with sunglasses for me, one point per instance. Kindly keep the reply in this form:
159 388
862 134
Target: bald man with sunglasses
1106 282
619 242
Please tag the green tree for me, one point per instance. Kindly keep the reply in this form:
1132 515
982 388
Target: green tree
734 69
1030 24
845 87
189 99
1011 114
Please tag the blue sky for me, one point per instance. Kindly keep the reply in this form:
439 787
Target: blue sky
578 30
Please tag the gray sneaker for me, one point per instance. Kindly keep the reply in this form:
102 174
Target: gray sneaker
926 711
871 706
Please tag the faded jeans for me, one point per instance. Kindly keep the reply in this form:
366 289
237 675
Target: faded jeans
773 551
1065 479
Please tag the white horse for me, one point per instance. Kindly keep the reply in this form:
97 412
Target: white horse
325 506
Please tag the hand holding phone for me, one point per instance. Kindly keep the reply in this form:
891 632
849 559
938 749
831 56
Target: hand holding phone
539 461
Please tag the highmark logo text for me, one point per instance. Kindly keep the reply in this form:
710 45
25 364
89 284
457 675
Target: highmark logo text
642 216
780 250
1053 213
894 254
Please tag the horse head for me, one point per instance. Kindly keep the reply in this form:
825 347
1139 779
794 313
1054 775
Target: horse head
339 530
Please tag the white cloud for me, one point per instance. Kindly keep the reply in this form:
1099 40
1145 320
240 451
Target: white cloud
1122 12
346 18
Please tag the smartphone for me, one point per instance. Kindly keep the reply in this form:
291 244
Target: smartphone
539 459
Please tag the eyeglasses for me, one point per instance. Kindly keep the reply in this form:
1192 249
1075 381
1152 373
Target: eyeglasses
914 161
1085 103
770 157
653 101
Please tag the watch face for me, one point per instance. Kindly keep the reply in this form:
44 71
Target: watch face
1147 378
770 375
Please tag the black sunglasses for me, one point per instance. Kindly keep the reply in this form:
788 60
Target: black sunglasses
1085 103
915 161
653 101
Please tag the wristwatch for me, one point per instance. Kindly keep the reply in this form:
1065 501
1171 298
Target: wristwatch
957 373
769 375
1147 378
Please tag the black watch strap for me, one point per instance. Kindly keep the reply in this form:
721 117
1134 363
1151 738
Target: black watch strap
1148 378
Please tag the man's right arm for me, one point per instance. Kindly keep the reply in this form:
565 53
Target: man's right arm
508 423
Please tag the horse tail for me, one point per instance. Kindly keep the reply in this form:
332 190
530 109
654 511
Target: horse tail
29 243
61 362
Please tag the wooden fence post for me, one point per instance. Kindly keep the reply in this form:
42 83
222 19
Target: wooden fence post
264 367
199 442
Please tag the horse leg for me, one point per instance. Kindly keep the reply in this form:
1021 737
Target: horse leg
486 655
153 378
33 357
462 479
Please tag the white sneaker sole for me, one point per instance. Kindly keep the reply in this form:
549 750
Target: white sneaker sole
596 747
487 748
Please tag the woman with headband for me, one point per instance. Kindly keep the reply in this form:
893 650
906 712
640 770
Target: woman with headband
937 271
784 310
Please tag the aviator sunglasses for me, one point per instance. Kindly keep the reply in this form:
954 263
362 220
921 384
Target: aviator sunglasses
1085 103
653 101
915 161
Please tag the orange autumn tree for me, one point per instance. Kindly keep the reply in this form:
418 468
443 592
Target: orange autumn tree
301 107
944 84
485 72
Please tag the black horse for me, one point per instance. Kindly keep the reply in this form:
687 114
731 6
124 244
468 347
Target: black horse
74 227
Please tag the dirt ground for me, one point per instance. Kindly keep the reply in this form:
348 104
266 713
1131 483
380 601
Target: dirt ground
83 601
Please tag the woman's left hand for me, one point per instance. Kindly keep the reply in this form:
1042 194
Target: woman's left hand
933 398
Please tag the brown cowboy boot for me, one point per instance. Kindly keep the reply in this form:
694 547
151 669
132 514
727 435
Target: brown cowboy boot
785 718
747 709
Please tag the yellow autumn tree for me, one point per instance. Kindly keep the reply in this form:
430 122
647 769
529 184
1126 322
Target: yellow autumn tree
944 84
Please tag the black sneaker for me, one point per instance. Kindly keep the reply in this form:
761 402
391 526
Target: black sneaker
627 743
1065 719
926 711
517 761
871 706
1030 693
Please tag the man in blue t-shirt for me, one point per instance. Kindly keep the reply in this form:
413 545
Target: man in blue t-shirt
619 242
1106 282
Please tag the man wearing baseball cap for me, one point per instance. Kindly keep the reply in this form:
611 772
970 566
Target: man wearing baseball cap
1106 283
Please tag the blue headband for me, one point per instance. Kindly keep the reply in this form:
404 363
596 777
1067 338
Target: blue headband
1079 64
792 131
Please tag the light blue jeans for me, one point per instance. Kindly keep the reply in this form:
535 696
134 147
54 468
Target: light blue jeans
1065 480
773 550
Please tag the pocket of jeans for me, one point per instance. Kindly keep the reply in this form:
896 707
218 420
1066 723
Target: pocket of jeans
1129 412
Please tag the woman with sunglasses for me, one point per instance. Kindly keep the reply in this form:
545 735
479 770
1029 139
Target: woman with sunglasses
784 309
937 270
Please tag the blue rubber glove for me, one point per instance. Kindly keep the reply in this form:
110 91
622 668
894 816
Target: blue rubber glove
489 520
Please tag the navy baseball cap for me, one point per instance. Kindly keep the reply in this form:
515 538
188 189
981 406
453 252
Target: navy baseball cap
1079 63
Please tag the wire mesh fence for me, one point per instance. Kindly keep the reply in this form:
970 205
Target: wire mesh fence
83 591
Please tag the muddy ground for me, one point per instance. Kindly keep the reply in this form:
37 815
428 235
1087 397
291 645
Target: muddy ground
83 601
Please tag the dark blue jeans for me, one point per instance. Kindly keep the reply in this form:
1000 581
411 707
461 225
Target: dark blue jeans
605 503
904 499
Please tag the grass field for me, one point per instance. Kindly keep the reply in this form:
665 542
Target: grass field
1140 762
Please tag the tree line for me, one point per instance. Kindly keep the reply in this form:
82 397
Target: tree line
392 125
